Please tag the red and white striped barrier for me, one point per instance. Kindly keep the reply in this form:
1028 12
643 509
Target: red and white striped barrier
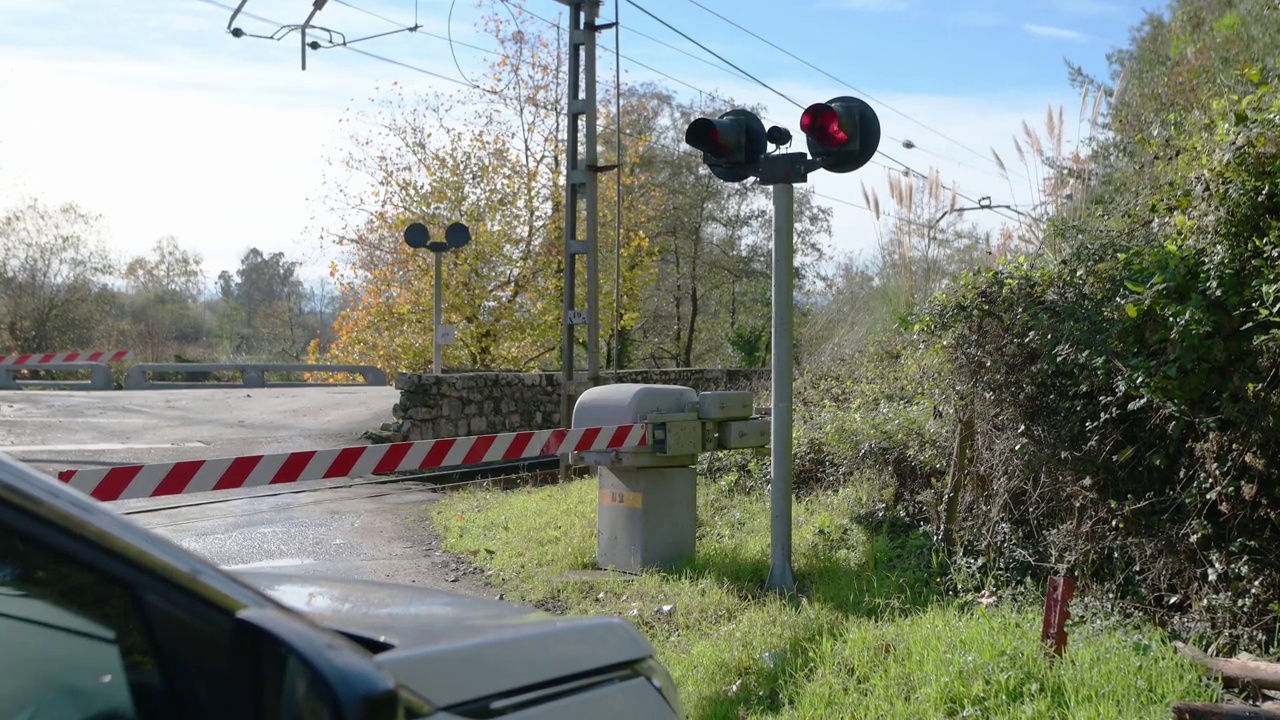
192 476
108 356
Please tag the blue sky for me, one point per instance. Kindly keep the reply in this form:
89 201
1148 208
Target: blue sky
148 113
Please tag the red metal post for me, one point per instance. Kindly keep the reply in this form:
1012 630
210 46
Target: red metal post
1056 599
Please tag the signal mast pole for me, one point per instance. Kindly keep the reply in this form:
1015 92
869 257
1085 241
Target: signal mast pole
580 186
842 134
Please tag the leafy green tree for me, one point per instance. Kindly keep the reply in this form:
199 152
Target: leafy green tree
164 288
694 252
54 274
262 313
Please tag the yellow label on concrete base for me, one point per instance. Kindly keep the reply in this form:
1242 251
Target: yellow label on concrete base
621 497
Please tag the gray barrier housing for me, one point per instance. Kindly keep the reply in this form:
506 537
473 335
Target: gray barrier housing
99 376
253 375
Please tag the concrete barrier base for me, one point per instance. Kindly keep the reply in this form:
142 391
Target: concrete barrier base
99 376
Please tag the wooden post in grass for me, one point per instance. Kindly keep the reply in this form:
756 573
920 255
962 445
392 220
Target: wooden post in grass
1234 673
1211 711
959 471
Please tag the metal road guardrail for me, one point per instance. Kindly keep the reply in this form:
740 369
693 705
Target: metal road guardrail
253 375
99 376
228 473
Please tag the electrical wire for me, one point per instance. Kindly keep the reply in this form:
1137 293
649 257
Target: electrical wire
718 56
416 28
916 173
906 167
358 51
454 55
847 84
515 63
467 83
633 61
642 139
686 53
554 24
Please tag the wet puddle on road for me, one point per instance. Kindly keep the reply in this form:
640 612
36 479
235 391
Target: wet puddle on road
280 562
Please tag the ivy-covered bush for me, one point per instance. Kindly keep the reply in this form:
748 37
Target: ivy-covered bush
1127 396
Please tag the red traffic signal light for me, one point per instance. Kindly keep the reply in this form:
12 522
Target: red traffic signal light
821 122
731 145
843 133
709 136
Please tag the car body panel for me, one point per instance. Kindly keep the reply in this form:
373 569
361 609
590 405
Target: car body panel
82 655
451 648
447 648
627 700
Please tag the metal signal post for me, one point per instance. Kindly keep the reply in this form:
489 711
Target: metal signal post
418 236
581 185
842 135
780 572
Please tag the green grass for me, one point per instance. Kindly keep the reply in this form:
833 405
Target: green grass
871 637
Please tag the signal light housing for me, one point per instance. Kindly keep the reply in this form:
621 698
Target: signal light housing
731 145
842 133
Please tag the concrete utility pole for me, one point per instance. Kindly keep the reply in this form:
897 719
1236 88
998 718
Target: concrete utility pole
581 185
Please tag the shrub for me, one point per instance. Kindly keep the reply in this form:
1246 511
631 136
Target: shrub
1129 425
878 417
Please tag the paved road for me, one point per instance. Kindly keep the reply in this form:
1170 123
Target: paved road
374 531
378 531
67 430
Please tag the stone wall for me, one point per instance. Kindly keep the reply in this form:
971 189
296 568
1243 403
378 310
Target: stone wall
461 404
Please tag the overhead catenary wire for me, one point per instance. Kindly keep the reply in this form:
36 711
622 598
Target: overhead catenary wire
715 54
748 76
639 139
414 68
553 24
846 83
617 84
917 174
906 167
416 28
366 53
738 74
467 83
642 139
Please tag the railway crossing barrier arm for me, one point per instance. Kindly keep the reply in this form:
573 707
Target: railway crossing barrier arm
191 476
41 360
643 440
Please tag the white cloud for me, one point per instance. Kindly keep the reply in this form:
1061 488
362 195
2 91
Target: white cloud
1049 31
225 145
225 154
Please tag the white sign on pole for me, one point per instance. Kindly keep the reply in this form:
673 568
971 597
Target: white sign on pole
446 334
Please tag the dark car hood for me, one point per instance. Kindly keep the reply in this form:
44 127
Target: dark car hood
453 648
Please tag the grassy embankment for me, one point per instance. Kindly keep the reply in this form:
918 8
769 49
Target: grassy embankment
873 637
